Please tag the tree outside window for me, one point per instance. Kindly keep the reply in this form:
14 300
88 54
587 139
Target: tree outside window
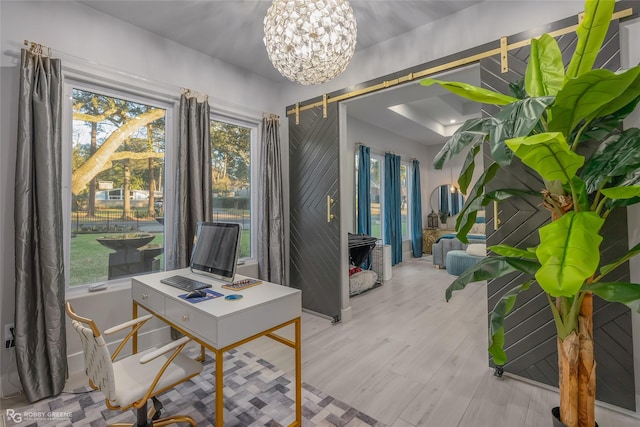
117 178
231 177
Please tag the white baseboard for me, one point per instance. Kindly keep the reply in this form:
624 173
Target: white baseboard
346 315
10 381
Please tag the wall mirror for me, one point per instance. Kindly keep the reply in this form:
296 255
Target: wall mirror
446 198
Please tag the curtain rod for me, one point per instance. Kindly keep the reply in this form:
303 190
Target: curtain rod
164 88
38 49
444 67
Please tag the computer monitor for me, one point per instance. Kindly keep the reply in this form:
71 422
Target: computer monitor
216 250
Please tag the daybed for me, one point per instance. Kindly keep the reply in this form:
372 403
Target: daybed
448 243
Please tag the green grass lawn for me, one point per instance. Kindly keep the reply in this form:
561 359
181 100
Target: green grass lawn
90 260
376 228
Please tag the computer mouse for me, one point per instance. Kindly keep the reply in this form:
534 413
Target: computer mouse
199 293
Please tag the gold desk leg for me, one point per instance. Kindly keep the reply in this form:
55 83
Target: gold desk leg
201 358
219 389
298 373
134 342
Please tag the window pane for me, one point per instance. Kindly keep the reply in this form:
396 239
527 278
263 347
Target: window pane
356 194
117 149
231 164
376 202
404 199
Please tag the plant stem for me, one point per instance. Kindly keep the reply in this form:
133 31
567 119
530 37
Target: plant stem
571 322
578 135
601 205
596 199
562 332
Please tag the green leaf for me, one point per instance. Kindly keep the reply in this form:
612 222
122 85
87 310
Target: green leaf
514 120
591 33
496 322
606 269
630 94
625 293
548 154
510 251
616 156
631 179
581 191
517 89
466 173
545 70
569 251
474 93
602 127
468 214
622 192
491 267
585 96
470 132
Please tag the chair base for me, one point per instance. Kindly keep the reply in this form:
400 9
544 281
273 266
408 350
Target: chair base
147 419
161 422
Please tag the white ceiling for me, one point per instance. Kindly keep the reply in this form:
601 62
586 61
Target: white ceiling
419 113
232 31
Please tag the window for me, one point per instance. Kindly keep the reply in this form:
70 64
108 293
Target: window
115 173
404 199
232 144
377 196
376 186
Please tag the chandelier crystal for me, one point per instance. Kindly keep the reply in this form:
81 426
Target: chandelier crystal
310 41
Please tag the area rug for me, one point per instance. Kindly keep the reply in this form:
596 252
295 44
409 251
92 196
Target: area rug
256 393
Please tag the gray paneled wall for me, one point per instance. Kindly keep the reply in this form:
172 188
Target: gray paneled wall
315 242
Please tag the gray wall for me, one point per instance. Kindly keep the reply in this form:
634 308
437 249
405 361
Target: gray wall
78 35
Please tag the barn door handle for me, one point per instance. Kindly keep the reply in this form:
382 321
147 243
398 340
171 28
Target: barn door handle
330 201
496 220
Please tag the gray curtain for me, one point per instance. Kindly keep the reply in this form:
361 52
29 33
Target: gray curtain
41 348
193 177
271 262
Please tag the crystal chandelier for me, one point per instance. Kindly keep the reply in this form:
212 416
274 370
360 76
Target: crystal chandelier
310 41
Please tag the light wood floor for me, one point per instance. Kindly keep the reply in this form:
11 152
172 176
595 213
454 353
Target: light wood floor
408 358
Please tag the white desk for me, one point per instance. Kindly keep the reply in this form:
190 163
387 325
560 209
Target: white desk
220 325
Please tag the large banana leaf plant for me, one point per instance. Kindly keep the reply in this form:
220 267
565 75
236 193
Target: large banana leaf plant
546 123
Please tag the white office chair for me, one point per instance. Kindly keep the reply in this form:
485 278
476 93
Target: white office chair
131 381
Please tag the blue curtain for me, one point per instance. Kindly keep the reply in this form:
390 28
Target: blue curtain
416 211
392 200
364 190
444 198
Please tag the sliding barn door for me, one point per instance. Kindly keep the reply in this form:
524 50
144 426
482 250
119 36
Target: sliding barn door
314 197
531 345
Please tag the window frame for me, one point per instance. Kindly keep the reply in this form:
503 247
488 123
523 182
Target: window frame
380 159
407 177
125 92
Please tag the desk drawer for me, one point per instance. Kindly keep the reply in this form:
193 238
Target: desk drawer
192 320
147 297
